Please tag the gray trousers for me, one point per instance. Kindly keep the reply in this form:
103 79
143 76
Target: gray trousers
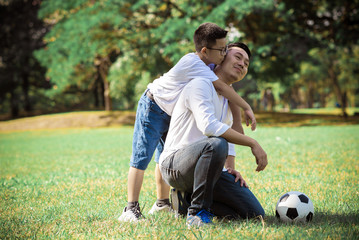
196 169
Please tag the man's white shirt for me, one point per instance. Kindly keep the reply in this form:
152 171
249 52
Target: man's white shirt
167 88
199 113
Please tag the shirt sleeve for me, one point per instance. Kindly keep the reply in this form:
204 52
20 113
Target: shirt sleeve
199 101
231 150
198 69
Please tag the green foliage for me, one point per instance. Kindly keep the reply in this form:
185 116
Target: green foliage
77 40
156 34
123 78
49 8
72 183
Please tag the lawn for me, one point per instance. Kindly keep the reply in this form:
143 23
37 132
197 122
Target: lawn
72 183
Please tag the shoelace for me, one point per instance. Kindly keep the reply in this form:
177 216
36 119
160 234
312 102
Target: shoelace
137 212
205 216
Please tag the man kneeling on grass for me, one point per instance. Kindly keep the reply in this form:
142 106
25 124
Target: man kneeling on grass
198 143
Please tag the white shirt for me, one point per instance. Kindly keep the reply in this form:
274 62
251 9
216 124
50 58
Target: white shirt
168 87
200 112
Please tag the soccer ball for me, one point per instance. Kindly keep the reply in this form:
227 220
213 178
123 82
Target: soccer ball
294 207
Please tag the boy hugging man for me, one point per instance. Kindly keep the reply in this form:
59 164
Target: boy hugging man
155 109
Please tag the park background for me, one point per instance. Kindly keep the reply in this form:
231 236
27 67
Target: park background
71 73
58 56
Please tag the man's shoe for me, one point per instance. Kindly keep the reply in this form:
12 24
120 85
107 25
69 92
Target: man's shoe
155 208
180 202
202 218
131 215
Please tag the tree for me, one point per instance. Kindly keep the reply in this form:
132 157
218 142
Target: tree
82 39
126 44
21 33
334 25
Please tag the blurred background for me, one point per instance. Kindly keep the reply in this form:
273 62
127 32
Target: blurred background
77 55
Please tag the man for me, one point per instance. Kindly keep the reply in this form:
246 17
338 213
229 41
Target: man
196 147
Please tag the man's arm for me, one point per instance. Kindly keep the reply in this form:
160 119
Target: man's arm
230 162
198 98
234 137
229 93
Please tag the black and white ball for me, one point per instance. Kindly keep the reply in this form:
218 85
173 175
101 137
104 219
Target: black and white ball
294 207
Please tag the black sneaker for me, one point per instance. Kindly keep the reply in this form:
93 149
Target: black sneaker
180 202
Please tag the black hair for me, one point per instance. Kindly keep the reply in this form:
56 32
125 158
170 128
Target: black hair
207 34
240 45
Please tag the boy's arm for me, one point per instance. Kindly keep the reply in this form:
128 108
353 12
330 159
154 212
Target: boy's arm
237 118
229 93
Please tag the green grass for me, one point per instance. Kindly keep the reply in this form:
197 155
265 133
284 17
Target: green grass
72 183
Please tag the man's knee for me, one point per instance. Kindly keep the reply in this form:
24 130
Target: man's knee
260 212
219 146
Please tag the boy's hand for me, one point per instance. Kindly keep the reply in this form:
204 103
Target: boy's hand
249 115
238 177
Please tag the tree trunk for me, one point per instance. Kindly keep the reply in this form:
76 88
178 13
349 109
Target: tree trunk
323 100
108 100
102 90
95 95
103 67
25 91
340 96
310 94
14 104
98 92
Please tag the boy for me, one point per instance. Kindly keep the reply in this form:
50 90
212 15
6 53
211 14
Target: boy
155 108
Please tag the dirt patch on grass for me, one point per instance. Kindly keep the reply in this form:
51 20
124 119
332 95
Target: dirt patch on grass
117 118
70 120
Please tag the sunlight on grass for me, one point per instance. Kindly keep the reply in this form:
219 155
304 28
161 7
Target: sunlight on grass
73 184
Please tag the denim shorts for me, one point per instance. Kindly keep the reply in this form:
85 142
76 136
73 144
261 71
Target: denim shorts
150 131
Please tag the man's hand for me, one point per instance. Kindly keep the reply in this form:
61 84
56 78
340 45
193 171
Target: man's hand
238 177
249 116
261 157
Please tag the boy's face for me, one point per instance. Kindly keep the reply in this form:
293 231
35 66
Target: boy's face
236 64
215 53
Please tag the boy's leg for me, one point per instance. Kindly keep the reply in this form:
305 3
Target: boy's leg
134 184
163 189
151 123
162 203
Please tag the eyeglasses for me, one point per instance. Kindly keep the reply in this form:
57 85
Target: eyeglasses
223 50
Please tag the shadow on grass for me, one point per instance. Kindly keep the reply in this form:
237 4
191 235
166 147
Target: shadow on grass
297 120
118 118
320 219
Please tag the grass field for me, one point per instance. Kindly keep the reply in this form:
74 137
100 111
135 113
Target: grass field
72 183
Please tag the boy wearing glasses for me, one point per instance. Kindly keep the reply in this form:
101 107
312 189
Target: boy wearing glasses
155 108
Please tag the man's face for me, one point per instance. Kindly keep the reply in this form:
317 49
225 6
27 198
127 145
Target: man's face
236 64
215 53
